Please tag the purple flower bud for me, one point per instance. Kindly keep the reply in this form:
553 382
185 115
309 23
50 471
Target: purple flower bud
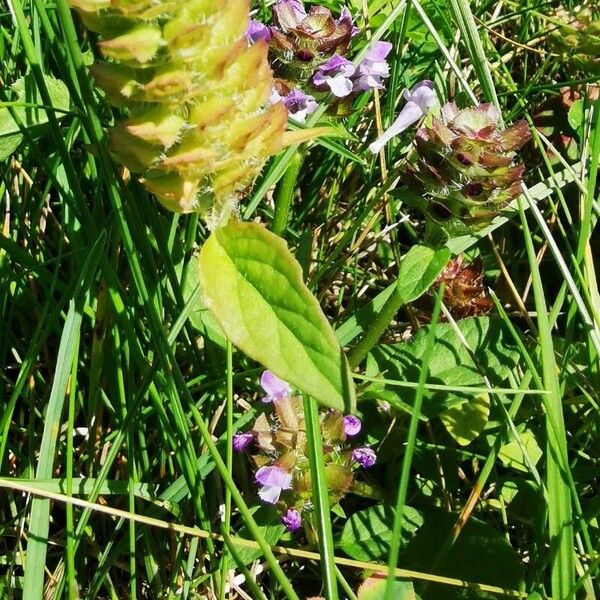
289 13
364 456
257 31
419 101
335 74
373 68
241 441
273 480
346 16
275 388
352 425
292 520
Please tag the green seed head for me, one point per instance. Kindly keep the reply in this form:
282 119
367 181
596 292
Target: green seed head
200 125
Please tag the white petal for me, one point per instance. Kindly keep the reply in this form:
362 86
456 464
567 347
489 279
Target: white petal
340 86
408 115
269 494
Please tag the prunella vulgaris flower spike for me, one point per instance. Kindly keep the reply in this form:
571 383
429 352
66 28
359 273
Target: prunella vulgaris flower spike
467 168
419 101
195 80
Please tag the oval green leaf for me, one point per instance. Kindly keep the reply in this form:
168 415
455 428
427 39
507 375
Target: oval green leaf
253 285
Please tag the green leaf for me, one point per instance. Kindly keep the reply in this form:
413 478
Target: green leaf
464 414
29 116
512 455
373 588
480 554
200 317
253 285
466 421
367 533
576 114
419 269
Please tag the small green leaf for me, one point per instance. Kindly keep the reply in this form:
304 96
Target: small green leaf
512 455
419 269
367 533
373 588
29 116
576 115
467 420
253 285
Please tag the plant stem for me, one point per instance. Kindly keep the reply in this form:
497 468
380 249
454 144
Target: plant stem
376 329
284 193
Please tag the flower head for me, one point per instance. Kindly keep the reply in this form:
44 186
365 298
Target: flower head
352 425
373 68
292 520
241 441
257 31
275 388
364 456
419 101
272 480
336 75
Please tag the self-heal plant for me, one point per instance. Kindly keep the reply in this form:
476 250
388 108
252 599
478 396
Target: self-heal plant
283 472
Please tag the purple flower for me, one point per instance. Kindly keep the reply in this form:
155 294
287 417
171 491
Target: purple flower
272 480
373 68
275 388
352 425
418 102
289 13
336 75
292 520
364 456
257 31
346 17
241 441
299 105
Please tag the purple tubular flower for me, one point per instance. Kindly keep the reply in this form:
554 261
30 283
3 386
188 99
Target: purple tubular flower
352 425
275 388
273 480
292 520
289 13
241 441
373 68
299 105
419 101
346 16
336 75
257 31
364 456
